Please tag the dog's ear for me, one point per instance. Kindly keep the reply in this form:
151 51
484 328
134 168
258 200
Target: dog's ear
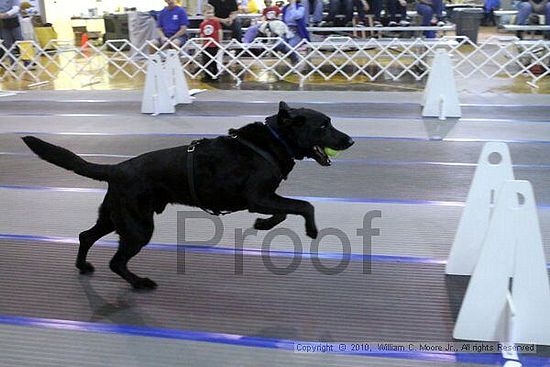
283 106
283 117
285 120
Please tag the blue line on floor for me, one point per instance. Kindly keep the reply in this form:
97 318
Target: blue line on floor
358 115
213 249
216 250
308 198
244 341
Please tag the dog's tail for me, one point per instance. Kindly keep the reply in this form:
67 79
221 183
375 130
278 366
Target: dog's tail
66 159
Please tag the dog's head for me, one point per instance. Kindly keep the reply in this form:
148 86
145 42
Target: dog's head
309 132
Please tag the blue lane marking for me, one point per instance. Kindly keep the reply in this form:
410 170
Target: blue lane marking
218 250
379 162
357 137
308 198
358 115
245 341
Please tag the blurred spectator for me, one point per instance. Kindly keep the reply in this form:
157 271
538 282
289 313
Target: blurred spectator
339 7
431 12
373 7
210 29
362 8
488 12
10 29
172 24
294 16
227 11
527 7
270 12
315 9
397 11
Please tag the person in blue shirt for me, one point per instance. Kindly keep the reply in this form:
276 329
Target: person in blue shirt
295 17
172 24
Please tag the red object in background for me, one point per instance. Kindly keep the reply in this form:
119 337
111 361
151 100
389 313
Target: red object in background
84 41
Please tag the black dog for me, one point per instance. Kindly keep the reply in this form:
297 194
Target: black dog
229 173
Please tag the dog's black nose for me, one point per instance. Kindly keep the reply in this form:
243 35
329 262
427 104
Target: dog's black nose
350 142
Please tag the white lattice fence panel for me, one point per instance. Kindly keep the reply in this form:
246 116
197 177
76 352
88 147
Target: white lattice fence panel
334 57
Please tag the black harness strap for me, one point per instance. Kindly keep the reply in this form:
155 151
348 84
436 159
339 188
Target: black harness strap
191 180
265 155
191 170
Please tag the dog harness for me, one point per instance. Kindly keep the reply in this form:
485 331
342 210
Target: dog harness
191 170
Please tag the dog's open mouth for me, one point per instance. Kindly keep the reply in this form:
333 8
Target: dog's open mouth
320 156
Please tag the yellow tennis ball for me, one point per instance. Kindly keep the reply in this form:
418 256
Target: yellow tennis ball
331 152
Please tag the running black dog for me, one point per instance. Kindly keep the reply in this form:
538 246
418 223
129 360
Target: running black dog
229 173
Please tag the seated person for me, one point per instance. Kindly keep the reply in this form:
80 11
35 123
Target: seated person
270 12
226 11
315 9
295 17
172 24
526 7
372 7
431 12
338 7
397 11
10 29
488 12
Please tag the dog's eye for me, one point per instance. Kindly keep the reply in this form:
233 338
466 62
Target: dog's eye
324 125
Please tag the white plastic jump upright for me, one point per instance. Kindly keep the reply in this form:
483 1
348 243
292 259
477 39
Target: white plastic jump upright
176 79
156 94
498 242
165 85
488 179
508 297
440 95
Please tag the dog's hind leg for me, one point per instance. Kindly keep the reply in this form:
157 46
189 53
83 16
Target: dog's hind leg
264 224
103 226
134 233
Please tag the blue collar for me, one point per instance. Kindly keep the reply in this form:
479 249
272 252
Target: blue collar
274 132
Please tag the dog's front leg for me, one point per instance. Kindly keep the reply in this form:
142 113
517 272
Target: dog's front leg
278 205
264 224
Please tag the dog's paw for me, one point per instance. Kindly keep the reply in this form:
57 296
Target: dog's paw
86 268
262 224
312 232
144 283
